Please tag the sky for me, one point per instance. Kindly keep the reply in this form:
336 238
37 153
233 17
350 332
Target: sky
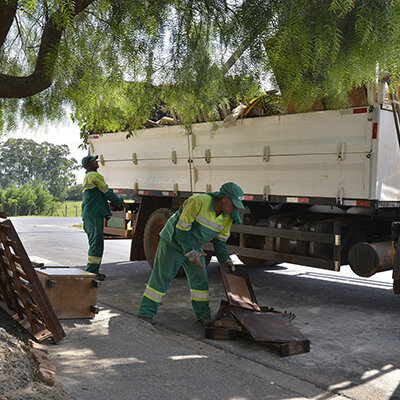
67 133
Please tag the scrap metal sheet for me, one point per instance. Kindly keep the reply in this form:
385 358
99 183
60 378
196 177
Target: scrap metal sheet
268 327
238 289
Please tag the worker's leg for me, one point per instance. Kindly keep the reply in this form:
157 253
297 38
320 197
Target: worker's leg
198 284
94 228
166 265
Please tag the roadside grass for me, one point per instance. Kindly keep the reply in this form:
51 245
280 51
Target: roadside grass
68 209
77 226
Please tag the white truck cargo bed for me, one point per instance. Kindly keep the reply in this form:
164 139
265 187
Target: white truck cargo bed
346 155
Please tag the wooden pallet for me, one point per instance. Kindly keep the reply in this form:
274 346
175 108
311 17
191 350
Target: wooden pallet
241 316
21 293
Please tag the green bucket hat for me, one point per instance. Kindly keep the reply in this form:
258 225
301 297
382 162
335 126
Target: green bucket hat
236 194
86 160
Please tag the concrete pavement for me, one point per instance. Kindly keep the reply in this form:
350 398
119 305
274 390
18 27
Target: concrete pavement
121 357
353 324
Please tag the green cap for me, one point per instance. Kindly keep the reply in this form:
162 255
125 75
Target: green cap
86 160
235 193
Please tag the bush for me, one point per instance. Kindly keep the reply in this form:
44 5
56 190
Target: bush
27 200
74 193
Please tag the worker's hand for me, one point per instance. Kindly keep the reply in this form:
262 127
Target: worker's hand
228 263
122 206
194 257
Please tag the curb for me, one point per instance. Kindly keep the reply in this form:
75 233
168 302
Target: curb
46 369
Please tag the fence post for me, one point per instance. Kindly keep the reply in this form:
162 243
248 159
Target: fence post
15 210
76 211
52 206
66 210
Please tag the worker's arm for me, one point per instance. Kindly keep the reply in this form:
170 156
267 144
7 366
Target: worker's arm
98 180
220 243
191 209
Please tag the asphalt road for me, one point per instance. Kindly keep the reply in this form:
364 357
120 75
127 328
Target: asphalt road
352 322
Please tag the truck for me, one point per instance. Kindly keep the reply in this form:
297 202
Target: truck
322 188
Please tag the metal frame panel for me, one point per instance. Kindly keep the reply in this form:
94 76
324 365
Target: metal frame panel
160 175
325 155
152 159
303 175
320 154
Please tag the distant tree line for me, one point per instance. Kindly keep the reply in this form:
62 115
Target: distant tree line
35 177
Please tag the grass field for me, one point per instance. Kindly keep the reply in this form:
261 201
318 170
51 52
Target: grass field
68 209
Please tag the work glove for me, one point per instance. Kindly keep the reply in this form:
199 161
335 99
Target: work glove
228 263
122 205
194 257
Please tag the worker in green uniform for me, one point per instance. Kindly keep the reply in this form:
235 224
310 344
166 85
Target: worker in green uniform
201 218
95 208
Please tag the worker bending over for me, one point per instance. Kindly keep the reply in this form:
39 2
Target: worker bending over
201 218
95 208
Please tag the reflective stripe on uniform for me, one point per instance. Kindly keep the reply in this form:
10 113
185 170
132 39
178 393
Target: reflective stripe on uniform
153 294
94 260
105 189
209 224
222 237
183 224
199 295
88 186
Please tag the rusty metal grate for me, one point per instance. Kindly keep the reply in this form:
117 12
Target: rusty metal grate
21 293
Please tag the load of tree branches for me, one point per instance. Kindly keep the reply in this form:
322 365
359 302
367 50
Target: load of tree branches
109 61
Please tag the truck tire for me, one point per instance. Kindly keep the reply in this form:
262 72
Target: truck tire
151 236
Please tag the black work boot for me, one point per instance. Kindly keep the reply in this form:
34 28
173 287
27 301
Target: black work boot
100 277
206 321
147 319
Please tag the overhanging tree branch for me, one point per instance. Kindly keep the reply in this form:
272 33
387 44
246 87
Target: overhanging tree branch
7 14
41 78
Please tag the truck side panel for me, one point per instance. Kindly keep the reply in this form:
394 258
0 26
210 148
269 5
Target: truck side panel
152 159
351 154
320 154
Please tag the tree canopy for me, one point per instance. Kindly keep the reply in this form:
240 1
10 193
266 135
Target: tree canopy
113 62
24 161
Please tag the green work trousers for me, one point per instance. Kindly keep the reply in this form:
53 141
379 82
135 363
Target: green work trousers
167 262
94 228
